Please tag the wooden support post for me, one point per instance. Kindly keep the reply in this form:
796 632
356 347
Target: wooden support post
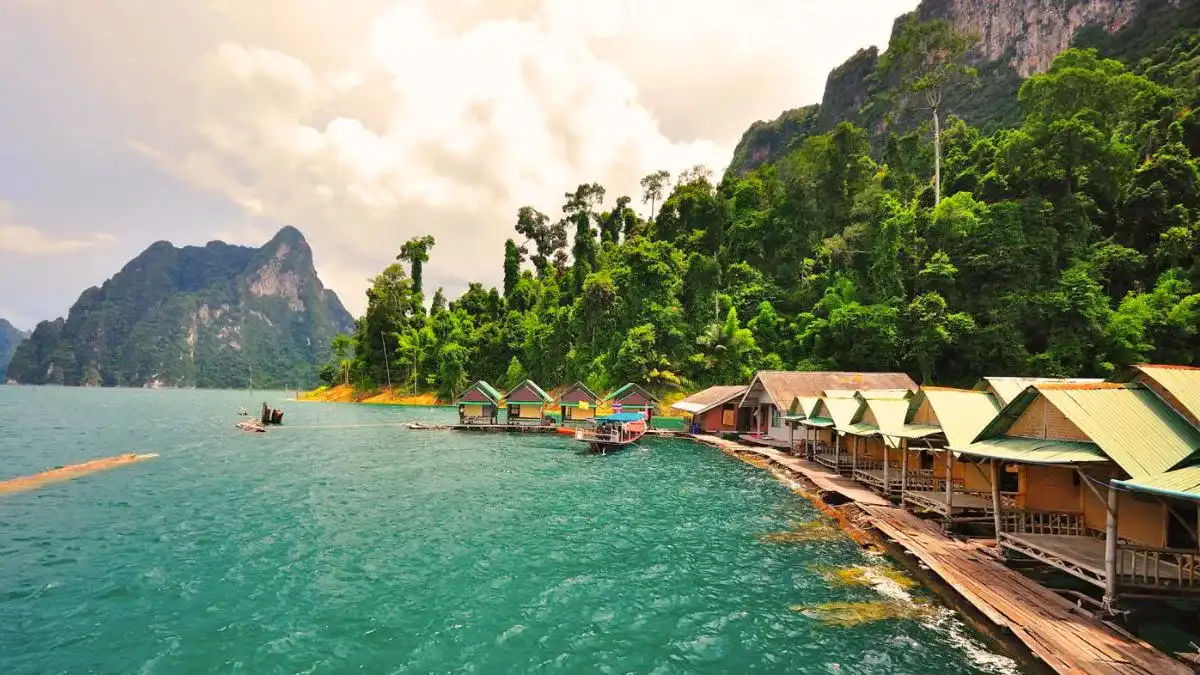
792 438
837 452
903 470
996 515
887 486
1111 567
949 482
854 456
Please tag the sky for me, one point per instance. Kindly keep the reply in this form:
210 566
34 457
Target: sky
367 122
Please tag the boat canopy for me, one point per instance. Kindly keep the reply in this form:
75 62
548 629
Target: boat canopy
622 417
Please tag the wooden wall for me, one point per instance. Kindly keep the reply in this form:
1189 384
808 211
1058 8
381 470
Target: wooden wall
1048 488
1042 420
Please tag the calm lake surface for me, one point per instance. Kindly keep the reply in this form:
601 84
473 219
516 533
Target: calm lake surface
351 546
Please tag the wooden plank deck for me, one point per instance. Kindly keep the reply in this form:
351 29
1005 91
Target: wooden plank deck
936 501
1067 639
823 478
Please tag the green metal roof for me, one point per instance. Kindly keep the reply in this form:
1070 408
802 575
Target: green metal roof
1130 424
1182 483
860 429
842 410
1182 382
1008 388
802 406
1034 451
915 431
545 398
485 388
961 413
817 422
889 413
625 389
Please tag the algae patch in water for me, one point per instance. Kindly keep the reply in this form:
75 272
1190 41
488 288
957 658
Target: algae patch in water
859 575
848 614
809 530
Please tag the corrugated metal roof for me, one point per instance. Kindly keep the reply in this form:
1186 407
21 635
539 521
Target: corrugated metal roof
860 429
628 388
842 410
916 431
961 413
709 398
803 406
1184 483
1182 382
486 388
538 391
1034 451
889 413
1130 424
1008 388
817 422
782 387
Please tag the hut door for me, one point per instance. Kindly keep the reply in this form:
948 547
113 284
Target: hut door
1179 536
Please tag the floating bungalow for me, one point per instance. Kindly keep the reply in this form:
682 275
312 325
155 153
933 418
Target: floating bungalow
577 404
772 392
1088 459
526 404
931 477
875 457
632 398
479 404
715 410
802 407
833 409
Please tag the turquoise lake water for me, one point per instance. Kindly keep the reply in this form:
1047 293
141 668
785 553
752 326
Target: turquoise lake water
353 547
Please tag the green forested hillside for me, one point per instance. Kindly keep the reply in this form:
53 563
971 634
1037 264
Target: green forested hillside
1063 246
211 316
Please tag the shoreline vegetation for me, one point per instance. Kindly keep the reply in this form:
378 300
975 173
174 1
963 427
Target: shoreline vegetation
344 393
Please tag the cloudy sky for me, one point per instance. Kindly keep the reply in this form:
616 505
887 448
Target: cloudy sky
366 122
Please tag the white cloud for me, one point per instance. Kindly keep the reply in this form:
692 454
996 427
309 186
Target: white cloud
370 122
16 237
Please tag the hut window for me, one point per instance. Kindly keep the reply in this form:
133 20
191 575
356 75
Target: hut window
775 417
926 461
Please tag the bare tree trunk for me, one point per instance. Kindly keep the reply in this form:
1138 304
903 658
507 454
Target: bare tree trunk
937 158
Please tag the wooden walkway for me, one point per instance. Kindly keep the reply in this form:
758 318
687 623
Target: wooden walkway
823 478
1067 639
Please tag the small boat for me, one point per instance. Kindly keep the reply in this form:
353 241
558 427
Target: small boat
242 412
613 431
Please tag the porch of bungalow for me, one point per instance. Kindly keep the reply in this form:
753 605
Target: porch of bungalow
1068 512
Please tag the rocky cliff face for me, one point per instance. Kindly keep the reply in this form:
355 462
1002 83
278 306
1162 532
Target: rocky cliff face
1017 38
211 316
10 337
1028 34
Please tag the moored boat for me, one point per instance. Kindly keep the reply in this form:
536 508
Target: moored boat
613 431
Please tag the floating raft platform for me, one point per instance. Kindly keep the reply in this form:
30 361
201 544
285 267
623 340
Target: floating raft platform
1066 638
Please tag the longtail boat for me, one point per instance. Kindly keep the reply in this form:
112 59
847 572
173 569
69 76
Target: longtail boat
612 432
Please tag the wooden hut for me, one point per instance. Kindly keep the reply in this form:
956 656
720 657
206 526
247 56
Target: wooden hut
832 409
479 404
1177 386
526 404
632 398
715 410
1005 389
1074 448
772 392
872 459
577 404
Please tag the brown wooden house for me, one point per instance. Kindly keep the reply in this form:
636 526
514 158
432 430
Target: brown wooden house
577 404
632 398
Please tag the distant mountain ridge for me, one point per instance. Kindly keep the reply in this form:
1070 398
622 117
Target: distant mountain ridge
213 317
1016 38
10 337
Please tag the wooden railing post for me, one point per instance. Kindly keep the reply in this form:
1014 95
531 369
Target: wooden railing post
887 484
949 480
997 516
1111 565
903 468
837 452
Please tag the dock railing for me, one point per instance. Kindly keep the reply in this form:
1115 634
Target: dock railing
1025 521
1159 567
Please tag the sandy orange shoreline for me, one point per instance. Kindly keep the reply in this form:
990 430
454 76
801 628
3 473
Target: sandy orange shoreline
25 483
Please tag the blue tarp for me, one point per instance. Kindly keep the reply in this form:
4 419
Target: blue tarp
622 417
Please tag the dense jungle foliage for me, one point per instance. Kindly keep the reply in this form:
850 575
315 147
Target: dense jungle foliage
1065 246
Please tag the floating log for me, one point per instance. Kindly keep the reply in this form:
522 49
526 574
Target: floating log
71 471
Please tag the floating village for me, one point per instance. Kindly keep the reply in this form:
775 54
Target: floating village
1051 511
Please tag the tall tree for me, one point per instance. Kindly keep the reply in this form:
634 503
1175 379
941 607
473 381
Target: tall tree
653 187
580 209
931 59
513 255
416 252
548 239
